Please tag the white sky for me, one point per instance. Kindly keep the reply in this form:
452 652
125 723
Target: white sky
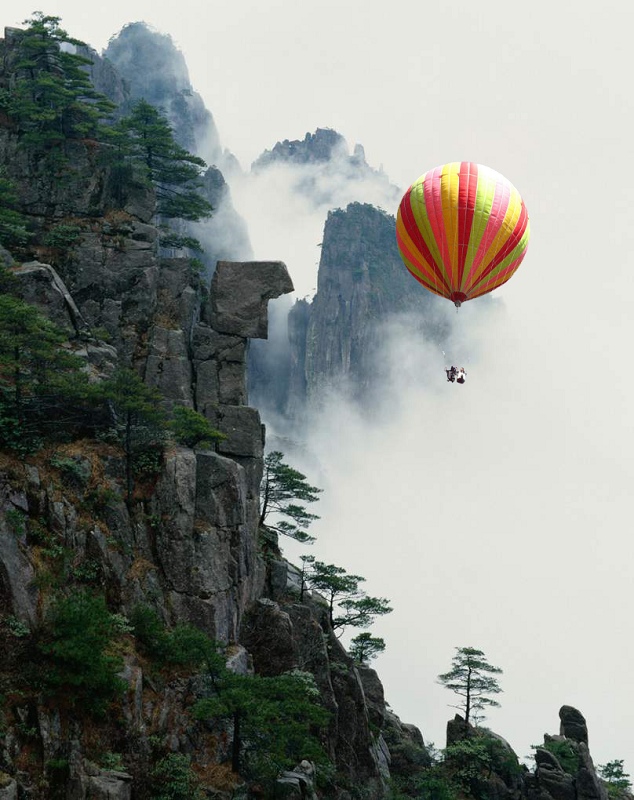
497 514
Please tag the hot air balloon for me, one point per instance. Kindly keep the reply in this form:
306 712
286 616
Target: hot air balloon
462 230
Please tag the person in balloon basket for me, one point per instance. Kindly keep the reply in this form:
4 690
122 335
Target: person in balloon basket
454 374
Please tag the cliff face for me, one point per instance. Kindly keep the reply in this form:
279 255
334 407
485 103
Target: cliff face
336 339
150 67
186 543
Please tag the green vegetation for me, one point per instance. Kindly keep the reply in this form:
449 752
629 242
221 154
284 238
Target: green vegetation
42 387
174 779
464 769
343 594
183 645
471 678
276 721
51 97
364 647
281 488
78 665
193 429
13 230
565 752
145 148
138 423
617 781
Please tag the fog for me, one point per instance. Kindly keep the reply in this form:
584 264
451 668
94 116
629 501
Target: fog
494 514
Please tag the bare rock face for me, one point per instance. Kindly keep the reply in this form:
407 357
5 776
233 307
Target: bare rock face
240 292
563 766
573 724
41 286
336 339
18 591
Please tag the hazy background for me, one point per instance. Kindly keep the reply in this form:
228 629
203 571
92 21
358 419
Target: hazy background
496 514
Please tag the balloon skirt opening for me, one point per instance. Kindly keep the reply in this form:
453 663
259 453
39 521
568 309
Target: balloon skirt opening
458 298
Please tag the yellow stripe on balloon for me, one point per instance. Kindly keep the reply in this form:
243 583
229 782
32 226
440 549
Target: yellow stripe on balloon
513 211
449 183
495 278
482 211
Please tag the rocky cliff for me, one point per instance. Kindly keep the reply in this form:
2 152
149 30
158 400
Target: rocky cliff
150 67
186 546
185 543
336 340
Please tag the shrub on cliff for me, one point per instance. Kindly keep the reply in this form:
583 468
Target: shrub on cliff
42 386
76 644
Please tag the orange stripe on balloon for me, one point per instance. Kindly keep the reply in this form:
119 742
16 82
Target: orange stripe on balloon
449 183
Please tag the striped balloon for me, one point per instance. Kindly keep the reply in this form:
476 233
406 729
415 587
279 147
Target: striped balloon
462 230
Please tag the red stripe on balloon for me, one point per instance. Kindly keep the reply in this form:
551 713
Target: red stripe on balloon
511 243
501 197
433 205
430 268
467 188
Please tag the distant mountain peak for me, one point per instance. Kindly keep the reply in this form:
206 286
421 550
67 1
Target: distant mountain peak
324 145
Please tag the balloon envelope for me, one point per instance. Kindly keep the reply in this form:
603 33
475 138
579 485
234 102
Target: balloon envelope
462 230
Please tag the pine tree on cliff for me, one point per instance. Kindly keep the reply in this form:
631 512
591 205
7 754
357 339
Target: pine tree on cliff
471 678
281 490
41 383
51 98
146 142
13 231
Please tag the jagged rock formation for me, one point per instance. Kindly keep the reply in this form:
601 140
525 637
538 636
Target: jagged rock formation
187 543
152 68
323 145
155 70
322 170
564 767
335 340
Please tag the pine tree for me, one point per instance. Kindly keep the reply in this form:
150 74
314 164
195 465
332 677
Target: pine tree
13 231
364 647
282 486
51 97
40 381
145 141
139 423
342 592
471 677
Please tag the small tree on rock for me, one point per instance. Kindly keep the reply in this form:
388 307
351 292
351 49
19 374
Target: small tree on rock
364 647
617 780
471 678
281 488
343 594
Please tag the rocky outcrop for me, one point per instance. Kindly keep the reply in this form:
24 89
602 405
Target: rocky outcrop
322 145
336 339
573 724
153 68
563 766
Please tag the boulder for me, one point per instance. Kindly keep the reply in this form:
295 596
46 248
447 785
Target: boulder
573 724
240 291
